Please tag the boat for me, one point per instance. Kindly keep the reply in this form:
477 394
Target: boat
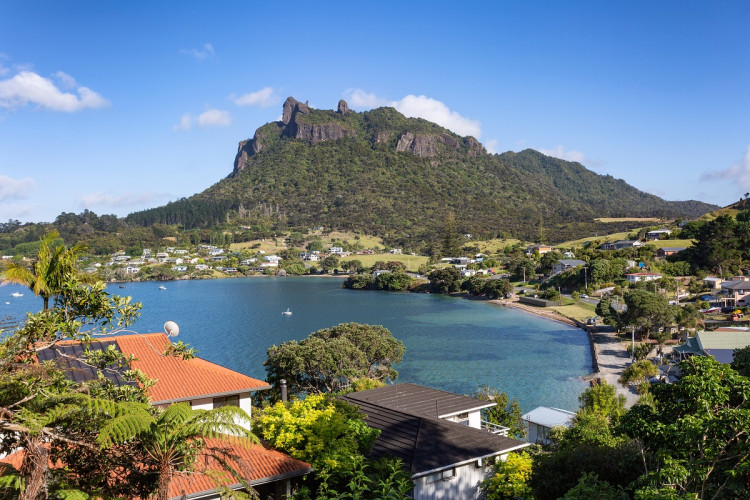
162 287
122 286
16 294
287 312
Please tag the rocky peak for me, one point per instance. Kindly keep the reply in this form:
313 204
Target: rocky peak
343 108
289 105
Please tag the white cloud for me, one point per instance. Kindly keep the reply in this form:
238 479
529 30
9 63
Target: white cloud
66 80
263 98
571 155
203 53
28 87
358 98
418 107
739 173
15 189
491 146
209 118
102 199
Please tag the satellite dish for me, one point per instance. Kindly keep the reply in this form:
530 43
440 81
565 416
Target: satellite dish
171 329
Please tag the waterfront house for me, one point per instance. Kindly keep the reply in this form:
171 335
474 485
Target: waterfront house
201 267
566 264
216 251
667 251
378 272
540 249
540 421
179 269
720 344
440 437
636 277
204 385
132 269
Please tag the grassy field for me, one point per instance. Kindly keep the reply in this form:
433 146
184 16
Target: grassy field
631 219
581 311
494 246
271 245
412 262
671 243
603 238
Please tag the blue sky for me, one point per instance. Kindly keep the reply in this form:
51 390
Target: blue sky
121 106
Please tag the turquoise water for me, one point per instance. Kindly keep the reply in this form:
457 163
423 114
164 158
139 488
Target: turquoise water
451 343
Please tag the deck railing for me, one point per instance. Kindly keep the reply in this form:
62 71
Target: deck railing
496 429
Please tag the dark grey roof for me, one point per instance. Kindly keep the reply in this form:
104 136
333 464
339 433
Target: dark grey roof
420 400
725 356
427 444
739 285
67 357
672 249
571 262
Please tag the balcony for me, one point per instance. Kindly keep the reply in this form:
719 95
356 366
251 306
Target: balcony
496 429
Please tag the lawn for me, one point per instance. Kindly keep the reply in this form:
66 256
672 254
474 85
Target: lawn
412 262
581 311
631 219
495 246
671 243
603 238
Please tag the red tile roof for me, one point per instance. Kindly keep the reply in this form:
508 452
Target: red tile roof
257 463
178 379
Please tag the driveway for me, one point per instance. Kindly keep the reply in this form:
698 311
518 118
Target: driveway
613 359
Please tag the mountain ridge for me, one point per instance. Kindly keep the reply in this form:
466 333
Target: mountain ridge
382 173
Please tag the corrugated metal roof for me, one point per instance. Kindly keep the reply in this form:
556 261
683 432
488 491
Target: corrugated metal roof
723 339
549 417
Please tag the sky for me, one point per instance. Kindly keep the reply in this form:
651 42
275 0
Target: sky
117 107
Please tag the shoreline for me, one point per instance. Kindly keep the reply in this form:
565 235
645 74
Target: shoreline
552 315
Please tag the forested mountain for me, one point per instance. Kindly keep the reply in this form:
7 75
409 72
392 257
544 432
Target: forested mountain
381 173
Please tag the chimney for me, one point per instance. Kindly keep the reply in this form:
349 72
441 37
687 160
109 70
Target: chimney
282 383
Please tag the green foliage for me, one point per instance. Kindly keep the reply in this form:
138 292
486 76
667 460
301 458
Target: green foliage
328 360
638 372
641 350
589 487
521 268
506 412
510 480
322 431
647 311
741 361
602 399
445 280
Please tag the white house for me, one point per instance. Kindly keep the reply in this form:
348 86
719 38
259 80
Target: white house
395 251
336 250
636 277
658 233
201 267
132 269
565 264
466 273
180 251
179 269
541 420
439 436
272 258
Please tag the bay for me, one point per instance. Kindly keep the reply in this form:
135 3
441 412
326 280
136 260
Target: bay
451 343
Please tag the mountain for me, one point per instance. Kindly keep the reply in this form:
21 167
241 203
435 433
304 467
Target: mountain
379 172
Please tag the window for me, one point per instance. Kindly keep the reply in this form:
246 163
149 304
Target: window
227 401
441 475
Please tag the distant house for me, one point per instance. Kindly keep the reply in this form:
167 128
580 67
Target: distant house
540 421
720 344
180 251
658 233
620 244
310 257
738 291
272 258
565 264
216 251
395 251
229 270
636 277
336 250
132 269
467 273
713 282
569 255
439 436
179 269
377 273
201 267
541 249
667 251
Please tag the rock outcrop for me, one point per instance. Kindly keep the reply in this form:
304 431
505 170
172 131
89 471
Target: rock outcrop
246 149
343 108
424 146
299 128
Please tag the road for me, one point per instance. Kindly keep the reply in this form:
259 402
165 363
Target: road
613 359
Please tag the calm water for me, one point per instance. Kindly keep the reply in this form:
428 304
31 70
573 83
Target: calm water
451 343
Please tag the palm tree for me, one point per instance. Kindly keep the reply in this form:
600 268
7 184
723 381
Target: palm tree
54 266
179 434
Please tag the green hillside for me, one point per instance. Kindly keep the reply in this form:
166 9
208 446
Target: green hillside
381 173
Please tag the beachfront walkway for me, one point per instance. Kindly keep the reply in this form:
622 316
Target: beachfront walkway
613 359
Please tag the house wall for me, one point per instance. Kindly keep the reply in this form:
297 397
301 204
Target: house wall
464 485
208 404
538 434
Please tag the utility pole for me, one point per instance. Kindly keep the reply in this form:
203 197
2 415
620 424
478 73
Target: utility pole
632 350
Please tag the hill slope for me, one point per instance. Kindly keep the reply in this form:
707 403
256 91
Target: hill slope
381 173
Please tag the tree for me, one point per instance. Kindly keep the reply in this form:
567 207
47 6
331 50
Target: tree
506 412
54 266
647 311
493 289
450 243
602 398
521 269
639 372
548 260
445 280
329 263
179 434
589 487
329 359
741 361
510 479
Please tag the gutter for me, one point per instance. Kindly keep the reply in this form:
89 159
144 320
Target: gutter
474 459
212 395
238 486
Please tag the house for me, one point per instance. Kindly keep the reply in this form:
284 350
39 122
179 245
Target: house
636 277
439 436
739 291
204 385
667 251
180 252
540 421
467 273
620 244
215 251
658 233
179 269
272 258
378 272
336 250
565 264
310 257
720 344
569 255
395 251
713 282
201 267
540 249
132 269
229 270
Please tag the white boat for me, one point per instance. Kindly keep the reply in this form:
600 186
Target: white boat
16 294
162 287
287 312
